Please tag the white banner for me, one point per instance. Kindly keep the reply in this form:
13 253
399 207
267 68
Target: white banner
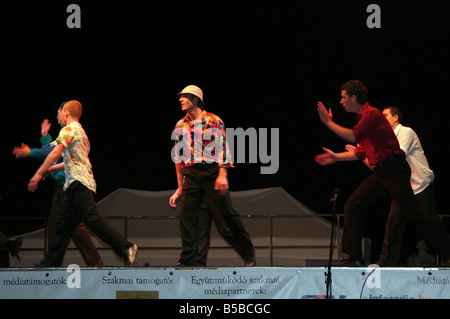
224 283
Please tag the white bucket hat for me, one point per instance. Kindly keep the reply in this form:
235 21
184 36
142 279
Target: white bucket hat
195 90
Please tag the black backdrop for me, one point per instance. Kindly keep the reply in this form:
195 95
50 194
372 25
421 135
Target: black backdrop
260 65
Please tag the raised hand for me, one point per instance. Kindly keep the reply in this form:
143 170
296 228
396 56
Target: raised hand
325 116
21 151
45 127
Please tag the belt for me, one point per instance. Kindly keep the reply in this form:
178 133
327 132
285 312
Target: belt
202 163
380 164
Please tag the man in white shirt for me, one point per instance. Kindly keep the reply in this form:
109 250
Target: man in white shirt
422 178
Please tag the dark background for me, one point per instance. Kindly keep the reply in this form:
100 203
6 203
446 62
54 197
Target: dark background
261 65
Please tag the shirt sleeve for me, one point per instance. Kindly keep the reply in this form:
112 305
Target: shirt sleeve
225 154
46 139
360 153
406 139
180 144
66 136
41 152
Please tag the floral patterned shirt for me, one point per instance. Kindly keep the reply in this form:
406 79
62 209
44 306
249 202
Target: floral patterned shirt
202 141
77 166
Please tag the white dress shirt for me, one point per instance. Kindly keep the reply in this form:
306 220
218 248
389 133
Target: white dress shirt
421 174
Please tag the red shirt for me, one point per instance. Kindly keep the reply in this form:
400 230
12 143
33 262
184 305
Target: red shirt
375 136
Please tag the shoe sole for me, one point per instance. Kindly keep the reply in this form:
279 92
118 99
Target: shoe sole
131 264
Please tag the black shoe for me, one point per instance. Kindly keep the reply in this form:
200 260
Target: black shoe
99 264
185 264
13 247
40 264
387 264
353 263
445 261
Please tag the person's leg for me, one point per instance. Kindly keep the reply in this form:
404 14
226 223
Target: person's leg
355 210
86 206
10 246
58 199
85 245
80 237
204 237
192 197
391 249
396 178
435 232
3 239
67 221
240 238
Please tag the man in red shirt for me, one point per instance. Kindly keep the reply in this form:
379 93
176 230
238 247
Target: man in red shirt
377 142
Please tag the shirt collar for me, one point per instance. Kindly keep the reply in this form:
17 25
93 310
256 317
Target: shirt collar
189 118
397 129
364 108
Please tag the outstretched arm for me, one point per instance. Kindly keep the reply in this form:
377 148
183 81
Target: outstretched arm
326 118
43 170
329 157
351 148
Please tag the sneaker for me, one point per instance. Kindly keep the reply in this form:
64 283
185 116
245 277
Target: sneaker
250 263
130 256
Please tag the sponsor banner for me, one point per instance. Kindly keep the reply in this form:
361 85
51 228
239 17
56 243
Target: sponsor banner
164 283
224 283
382 283
410 283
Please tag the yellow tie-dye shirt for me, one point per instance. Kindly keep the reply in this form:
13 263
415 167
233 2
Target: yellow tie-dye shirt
77 166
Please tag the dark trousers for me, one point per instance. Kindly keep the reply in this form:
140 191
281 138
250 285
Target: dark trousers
207 216
393 177
3 239
4 254
198 188
80 205
81 238
391 251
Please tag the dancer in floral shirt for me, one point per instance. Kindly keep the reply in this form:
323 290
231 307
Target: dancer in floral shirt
80 187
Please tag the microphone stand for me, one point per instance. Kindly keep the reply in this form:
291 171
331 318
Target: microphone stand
330 258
